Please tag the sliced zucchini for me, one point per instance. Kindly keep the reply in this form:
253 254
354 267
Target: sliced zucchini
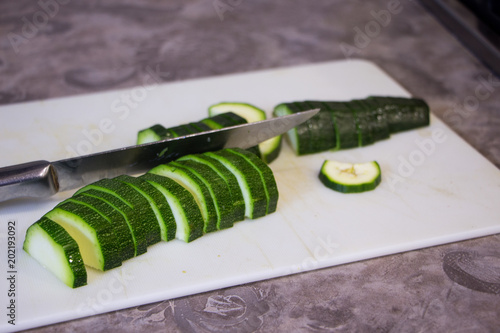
222 120
299 136
53 247
247 111
350 177
186 211
266 175
197 187
120 226
346 128
229 178
219 190
94 234
134 222
142 207
249 181
154 133
158 203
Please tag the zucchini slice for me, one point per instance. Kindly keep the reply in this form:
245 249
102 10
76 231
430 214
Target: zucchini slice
120 226
222 120
53 247
249 181
349 177
247 111
154 133
193 184
94 234
188 218
266 175
141 206
134 222
300 135
158 203
218 188
346 128
229 178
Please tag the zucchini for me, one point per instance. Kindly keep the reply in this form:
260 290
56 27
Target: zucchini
126 210
188 218
198 189
346 128
231 181
143 209
349 177
94 234
158 203
266 175
249 181
120 226
218 188
154 133
299 136
53 247
223 120
247 111
403 113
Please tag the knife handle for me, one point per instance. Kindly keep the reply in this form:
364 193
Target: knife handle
32 179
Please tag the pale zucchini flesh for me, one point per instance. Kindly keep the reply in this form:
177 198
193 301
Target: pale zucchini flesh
53 247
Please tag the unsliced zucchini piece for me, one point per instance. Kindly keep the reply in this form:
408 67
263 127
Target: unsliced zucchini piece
53 247
349 177
186 211
120 226
229 178
158 203
403 113
266 175
249 181
194 185
125 208
94 234
142 207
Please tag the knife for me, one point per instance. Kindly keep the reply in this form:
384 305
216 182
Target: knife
43 178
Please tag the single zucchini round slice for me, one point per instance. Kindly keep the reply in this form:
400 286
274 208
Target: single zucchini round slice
350 177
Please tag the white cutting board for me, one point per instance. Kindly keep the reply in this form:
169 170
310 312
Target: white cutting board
437 191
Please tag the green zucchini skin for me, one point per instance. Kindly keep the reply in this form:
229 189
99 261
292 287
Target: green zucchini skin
130 215
46 233
135 200
115 218
266 175
218 188
229 178
189 221
158 203
354 123
249 180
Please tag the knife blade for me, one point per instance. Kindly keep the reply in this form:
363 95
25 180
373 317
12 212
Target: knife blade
43 178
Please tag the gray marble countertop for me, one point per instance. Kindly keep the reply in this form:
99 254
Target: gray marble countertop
59 48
